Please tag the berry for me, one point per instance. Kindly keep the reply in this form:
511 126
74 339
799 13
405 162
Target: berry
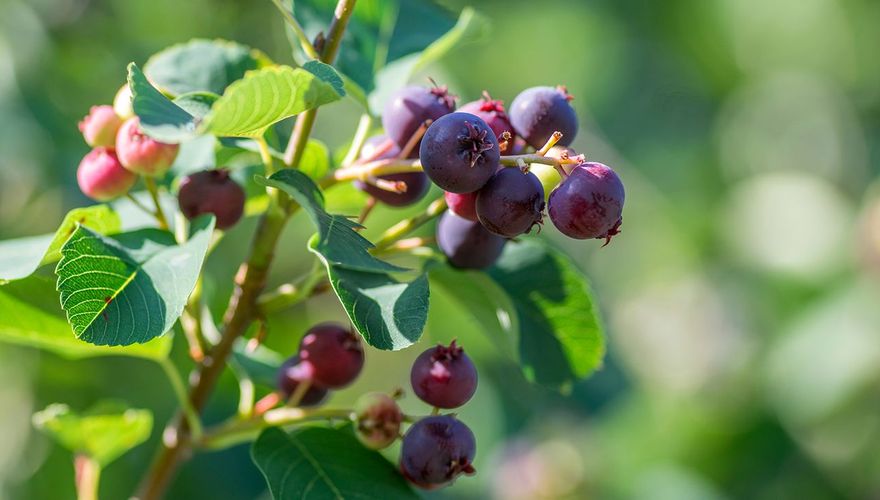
467 244
335 352
122 102
462 204
539 111
142 154
444 377
410 107
511 202
436 450
378 420
589 203
492 112
459 153
417 183
101 176
211 192
294 372
100 126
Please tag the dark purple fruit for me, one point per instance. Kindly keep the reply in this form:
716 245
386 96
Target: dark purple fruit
589 203
462 204
410 107
211 192
511 202
295 372
493 113
335 352
378 420
460 153
444 376
539 111
467 244
436 450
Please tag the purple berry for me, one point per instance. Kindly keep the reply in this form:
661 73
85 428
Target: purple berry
212 192
539 111
417 183
462 204
101 176
335 352
589 203
410 107
511 202
436 450
444 377
460 153
378 420
100 126
294 372
142 154
467 244
492 112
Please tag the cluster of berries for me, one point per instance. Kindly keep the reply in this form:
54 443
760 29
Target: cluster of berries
460 151
121 152
436 449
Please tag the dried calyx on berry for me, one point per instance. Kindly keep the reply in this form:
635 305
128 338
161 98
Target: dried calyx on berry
493 113
459 152
378 420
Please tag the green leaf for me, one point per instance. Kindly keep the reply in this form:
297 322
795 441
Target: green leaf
130 288
160 118
318 462
267 96
30 315
202 65
326 73
21 257
197 104
103 433
261 365
561 335
315 160
388 313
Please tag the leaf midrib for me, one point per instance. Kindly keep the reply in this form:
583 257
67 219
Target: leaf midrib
316 465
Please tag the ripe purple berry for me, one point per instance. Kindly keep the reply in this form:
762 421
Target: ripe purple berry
417 183
410 107
511 202
335 352
493 113
462 204
101 177
436 450
444 377
100 126
539 111
295 372
212 192
467 244
142 154
589 203
378 420
460 153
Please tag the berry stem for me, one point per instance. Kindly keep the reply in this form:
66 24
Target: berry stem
406 226
414 139
556 137
242 430
150 183
360 137
179 388
88 475
298 30
367 210
140 205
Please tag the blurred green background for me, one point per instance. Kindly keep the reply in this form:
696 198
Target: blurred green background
742 298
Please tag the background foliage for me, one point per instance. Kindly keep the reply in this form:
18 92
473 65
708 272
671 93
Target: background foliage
741 299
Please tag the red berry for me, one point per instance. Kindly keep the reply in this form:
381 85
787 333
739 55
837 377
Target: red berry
100 126
101 176
142 154
294 372
589 203
211 192
444 377
436 450
335 352
462 204
492 112
378 420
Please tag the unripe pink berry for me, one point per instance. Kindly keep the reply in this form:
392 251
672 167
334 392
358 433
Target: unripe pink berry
122 102
101 176
100 126
142 154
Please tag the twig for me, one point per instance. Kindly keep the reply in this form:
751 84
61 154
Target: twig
406 226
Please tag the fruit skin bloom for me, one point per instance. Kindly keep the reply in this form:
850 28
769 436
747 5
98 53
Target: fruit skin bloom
589 203
101 176
100 126
142 154
436 450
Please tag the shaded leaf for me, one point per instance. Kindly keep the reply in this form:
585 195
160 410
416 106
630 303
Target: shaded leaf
261 364
160 118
